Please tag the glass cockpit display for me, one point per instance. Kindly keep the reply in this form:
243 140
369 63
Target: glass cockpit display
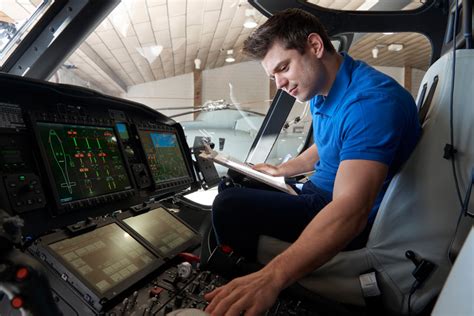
85 161
164 155
104 257
162 230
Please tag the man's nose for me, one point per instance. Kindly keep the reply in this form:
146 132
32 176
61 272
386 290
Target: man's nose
280 82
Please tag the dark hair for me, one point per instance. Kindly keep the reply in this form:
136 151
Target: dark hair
291 28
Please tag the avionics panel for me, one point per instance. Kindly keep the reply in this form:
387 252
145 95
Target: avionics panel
165 157
85 161
164 232
106 260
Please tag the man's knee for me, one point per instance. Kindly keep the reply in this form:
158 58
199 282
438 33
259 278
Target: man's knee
225 201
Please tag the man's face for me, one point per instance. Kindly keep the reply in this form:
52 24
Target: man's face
302 76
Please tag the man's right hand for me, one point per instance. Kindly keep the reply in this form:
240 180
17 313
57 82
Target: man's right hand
267 168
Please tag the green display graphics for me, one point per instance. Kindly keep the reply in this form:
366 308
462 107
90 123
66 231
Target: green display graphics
104 257
164 156
85 160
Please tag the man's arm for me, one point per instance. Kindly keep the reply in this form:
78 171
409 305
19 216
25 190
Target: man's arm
303 163
357 185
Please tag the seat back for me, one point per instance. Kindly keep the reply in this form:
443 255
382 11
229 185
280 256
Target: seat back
420 209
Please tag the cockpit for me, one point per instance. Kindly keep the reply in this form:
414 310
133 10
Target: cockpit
106 199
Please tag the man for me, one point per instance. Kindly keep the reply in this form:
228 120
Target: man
365 127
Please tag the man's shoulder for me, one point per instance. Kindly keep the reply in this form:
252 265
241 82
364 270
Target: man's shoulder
369 84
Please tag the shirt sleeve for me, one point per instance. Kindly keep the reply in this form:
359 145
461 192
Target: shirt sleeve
371 129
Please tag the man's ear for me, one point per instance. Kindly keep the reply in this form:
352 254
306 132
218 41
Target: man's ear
315 44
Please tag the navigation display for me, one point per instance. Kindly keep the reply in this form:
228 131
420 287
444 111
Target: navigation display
85 160
161 229
103 257
164 155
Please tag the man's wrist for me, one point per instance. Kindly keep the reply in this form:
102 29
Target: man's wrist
280 170
279 274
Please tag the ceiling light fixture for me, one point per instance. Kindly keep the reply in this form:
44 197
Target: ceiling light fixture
375 52
230 58
250 22
367 5
395 47
150 52
197 63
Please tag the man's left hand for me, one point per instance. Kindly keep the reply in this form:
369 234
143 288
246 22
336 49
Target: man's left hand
252 294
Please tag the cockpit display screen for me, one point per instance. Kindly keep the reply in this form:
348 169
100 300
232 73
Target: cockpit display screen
163 231
104 257
85 161
164 155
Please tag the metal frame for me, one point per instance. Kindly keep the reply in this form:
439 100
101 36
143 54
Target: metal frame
271 127
58 33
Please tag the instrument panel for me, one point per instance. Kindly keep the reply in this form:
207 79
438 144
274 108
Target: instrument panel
69 153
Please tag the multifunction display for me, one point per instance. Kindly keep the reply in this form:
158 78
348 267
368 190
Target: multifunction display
103 257
164 155
162 230
85 161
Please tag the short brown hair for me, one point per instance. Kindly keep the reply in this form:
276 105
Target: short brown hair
291 28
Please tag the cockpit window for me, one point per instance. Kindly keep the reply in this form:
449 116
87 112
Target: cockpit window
17 17
184 59
372 5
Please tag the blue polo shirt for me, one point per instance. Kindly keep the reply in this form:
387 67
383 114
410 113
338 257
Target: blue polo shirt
366 115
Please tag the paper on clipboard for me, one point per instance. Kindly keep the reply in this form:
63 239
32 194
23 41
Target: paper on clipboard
234 164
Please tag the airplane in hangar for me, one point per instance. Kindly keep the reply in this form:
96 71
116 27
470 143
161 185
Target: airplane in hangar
105 206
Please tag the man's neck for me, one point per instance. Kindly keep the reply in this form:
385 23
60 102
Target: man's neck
332 62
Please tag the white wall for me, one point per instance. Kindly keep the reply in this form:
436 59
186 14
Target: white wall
250 88
398 74
245 84
168 93
394 72
249 81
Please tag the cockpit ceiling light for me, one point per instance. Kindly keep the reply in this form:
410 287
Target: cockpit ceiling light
395 47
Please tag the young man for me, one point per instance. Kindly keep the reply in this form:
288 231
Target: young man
365 127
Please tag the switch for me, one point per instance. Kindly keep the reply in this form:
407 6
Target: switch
155 291
178 301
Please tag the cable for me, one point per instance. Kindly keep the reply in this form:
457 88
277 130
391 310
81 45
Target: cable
451 122
413 289
451 105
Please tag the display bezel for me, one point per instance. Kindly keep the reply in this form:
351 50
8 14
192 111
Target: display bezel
193 242
170 184
88 201
81 284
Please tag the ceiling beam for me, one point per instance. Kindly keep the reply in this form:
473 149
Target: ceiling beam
102 67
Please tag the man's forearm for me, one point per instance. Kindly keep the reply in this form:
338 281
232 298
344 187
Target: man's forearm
327 234
355 190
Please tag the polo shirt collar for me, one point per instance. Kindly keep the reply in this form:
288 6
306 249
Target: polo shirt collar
328 105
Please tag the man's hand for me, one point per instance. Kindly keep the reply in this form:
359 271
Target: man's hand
268 169
253 293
